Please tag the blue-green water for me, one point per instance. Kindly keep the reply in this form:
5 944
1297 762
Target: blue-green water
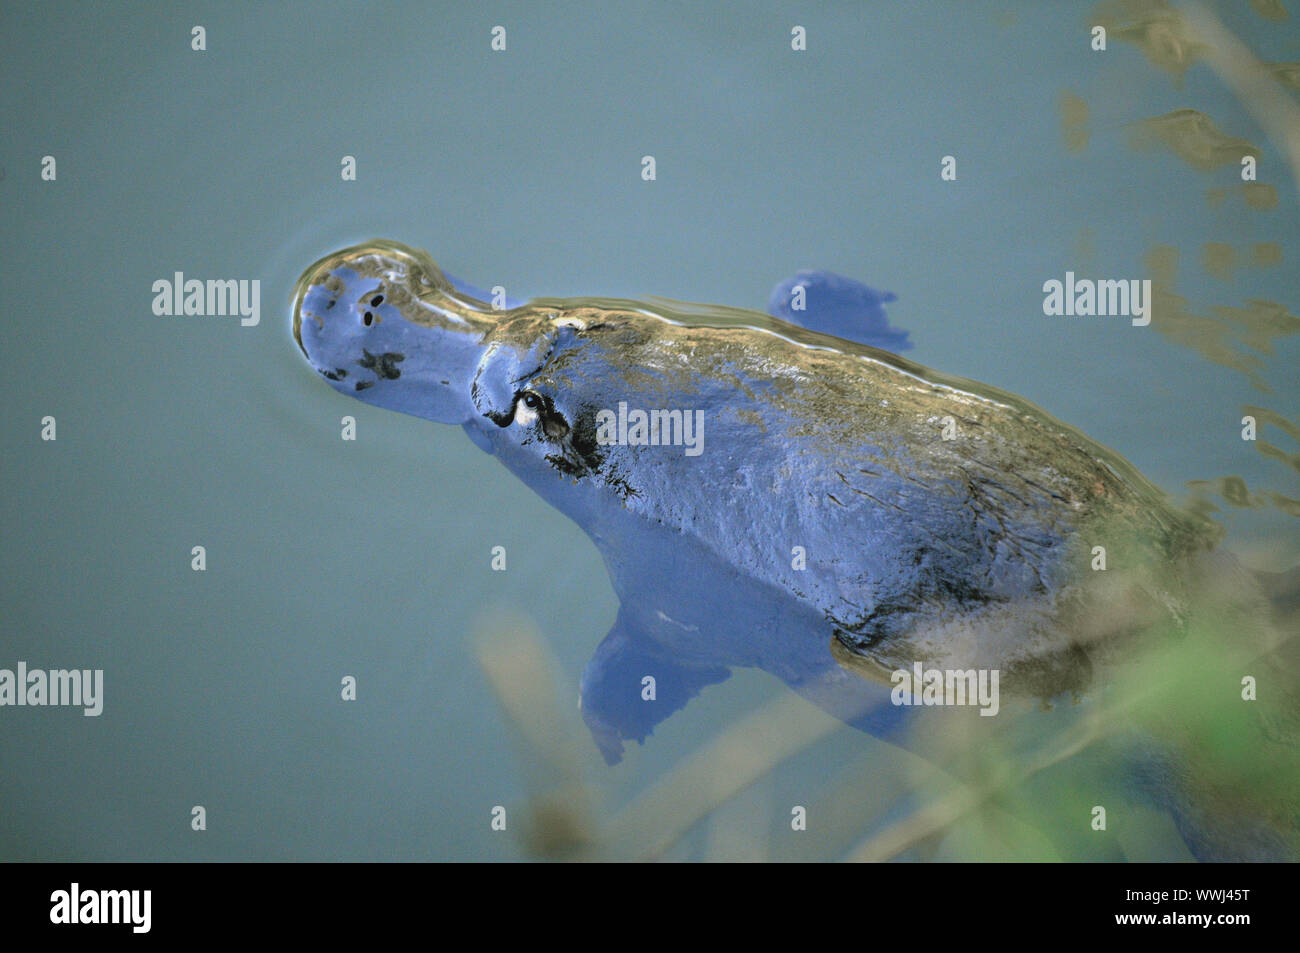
521 168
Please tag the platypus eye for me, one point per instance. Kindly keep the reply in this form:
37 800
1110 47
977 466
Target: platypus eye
531 407
528 406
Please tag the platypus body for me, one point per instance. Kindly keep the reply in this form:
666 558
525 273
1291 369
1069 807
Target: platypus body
767 495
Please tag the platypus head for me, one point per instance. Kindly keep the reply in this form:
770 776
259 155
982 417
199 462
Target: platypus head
383 324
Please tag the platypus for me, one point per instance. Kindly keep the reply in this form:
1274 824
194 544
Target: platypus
766 494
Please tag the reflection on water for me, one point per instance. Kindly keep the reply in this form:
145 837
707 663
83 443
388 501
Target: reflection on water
1210 337
1226 334
1154 27
1194 138
1219 260
1231 488
1074 122
1286 73
1259 323
1266 254
1270 9
1221 335
1256 195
